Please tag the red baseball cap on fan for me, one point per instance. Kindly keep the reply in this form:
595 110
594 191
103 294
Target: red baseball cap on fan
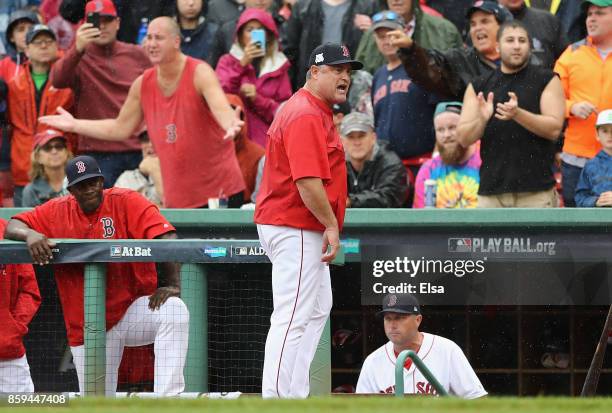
42 138
104 7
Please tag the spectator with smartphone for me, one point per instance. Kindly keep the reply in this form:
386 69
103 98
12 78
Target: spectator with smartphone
257 71
224 38
130 12
100 70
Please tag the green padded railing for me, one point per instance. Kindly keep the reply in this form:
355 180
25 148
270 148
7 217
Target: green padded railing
418 363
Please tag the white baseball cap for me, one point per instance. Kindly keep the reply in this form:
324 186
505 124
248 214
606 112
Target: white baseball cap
604 118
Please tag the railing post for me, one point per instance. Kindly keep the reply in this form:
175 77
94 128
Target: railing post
418 363
194 293
94 329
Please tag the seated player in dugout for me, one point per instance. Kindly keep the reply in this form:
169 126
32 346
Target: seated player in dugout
445 359
138 311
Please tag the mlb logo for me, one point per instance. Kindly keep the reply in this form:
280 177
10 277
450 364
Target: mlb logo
115 251
459 245
241 251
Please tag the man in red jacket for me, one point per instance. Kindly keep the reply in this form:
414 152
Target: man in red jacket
19 301
100 69
30 95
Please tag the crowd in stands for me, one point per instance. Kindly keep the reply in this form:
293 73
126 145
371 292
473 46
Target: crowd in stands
460 104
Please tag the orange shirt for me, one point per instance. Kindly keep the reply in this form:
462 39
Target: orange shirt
585 77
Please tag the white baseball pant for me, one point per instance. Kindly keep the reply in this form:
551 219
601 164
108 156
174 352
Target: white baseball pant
15 376
302 298
167 328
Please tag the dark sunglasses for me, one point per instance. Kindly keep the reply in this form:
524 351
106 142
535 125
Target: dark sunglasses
50 146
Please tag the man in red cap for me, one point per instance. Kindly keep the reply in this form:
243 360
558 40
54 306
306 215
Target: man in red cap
100 69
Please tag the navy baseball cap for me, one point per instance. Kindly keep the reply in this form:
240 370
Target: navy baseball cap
332 54
400 303
38 29
501 13
81 168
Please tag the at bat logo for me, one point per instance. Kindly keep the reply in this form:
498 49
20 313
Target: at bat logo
108 229
117 251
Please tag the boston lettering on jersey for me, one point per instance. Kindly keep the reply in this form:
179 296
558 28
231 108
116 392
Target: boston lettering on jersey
422 387
396 86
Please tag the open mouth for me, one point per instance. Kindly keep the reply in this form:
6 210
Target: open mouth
342 88
481 36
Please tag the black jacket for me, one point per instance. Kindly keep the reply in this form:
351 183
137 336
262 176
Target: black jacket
444 73
199 43
130 12
305 32
382 182
447 73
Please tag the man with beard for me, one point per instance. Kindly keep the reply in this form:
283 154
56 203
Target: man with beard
455 169
376 175
519 142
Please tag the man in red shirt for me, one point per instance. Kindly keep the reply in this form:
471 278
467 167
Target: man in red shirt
19 301
299 214
138 312
99 70
188 118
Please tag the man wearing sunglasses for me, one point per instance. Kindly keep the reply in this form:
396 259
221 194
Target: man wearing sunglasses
30 96
430 31
448 73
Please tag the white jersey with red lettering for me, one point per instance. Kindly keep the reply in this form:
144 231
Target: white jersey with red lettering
443 357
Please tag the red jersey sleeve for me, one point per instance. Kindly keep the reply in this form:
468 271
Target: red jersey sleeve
41 219
144 221
305 141
28 298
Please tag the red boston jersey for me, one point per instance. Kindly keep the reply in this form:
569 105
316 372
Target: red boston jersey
302 143
19 301
123 214
196 162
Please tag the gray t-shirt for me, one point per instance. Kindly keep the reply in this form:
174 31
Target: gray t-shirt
332 26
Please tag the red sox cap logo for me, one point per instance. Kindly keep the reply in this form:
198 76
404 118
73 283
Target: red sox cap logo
80 167
345 51
392 300
478 3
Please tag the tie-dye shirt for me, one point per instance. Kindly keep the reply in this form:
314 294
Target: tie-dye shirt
457 184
